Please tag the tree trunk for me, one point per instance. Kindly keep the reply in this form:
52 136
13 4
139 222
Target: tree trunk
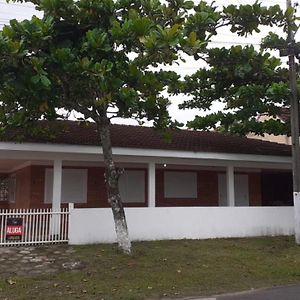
111 180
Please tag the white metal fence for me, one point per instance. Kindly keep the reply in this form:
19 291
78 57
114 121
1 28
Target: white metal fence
33 226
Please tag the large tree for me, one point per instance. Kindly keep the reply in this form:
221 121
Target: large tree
104 59
247 83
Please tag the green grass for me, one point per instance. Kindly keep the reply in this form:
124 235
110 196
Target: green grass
167 268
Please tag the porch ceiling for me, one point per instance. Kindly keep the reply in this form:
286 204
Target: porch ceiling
8 165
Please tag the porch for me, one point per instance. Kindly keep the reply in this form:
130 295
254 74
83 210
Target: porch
176 182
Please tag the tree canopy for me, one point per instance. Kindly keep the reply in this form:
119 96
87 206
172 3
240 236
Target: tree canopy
98 57
249 83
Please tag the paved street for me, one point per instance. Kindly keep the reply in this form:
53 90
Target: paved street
278 293
291 292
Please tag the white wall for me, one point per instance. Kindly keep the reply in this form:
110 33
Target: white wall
95 225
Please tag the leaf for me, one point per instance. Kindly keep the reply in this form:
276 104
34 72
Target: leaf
174 29
45 81
8 31
85 62
188 4
11 281
35 79
192 37
141 26
289 12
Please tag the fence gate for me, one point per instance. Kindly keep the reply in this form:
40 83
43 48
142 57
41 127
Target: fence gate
33 226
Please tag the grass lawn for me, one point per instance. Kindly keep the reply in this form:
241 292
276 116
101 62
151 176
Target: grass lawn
167 269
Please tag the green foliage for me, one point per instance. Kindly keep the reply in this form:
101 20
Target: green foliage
251 85
104 59
274 41
93 57
248 83
246 18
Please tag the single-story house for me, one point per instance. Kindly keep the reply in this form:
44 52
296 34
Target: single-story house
192 169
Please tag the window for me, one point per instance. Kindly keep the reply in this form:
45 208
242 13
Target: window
4 187
132 186
8 189
180 184
73 188
12 189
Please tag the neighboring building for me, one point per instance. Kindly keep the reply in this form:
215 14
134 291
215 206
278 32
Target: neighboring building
194 169
282 138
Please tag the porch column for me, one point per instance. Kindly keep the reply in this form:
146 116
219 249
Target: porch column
56 197
57 178
230 186
151 184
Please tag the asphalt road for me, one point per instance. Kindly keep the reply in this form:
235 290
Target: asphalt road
291 292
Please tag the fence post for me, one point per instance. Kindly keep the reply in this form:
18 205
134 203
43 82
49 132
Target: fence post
71 206
55 223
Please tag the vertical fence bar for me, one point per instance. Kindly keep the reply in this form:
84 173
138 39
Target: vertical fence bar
12 215
47 226
43 226
61 224
4 228
26 227
51 216
1 224
36 225
23 226
1 229
29 228
66 224
32 225
40 225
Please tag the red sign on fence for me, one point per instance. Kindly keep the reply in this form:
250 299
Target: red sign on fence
14 229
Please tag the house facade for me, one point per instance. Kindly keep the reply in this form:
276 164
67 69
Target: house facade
193 169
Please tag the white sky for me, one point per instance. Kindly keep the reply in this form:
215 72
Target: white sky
225 38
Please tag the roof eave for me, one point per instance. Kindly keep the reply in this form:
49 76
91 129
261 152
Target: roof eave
68 152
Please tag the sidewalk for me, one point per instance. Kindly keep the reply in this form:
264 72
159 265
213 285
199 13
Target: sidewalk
21 261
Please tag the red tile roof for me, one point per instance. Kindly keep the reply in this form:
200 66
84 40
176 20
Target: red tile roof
75 133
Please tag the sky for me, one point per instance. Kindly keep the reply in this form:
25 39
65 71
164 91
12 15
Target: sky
225 38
